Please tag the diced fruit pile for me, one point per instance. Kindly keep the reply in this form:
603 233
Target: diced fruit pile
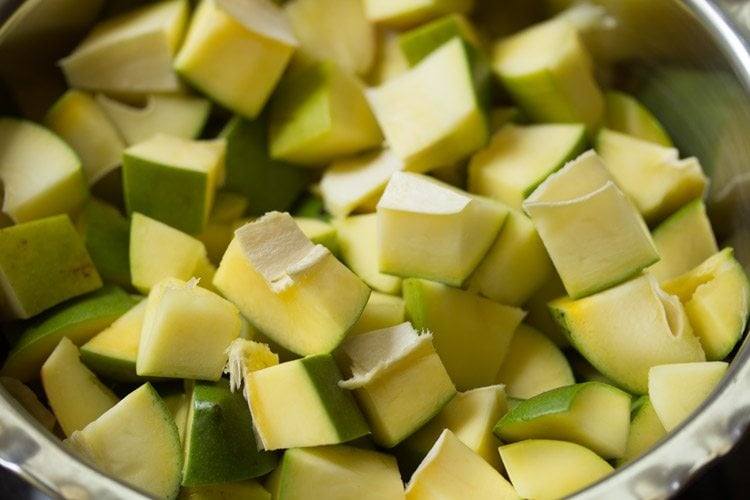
356 249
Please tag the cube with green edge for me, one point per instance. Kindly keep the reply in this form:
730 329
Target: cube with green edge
716 297
398 380
591 414
419 42
172 114
677 389
173 180
591 229
513 164
106 234
471 416
566 467
355 472
113 352
220 446
471 334
652 175
137 442
350 184
42 176
451 469
535 365
318 26
319 114
132 53
43 263
625 113
645 430
297 293
683 240
159 251
73 392
382 310
549 74
266 183
299 403
358 241
627 329
235 51
417 214
516 265
83 124
438 128
186 331
319 232
402 13
78 319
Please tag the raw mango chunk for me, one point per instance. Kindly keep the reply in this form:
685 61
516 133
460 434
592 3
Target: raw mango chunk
245 490
135 441
683 240
74 393
452 470
159 251
432 115
78 320
41 175
336 30
173 180
592 414
418 213
716 297
652 175
626 114
592 232
351 184
220 446
43 263
170 114
298 403
626 330
535 366
676 390
409 12
566 467
513 164
29 401
82 123
471 334
235 52
382 311
113 352
186 331
295 292
470 416
319 114
131 53
516 265
548 72
645 430
358 241
106 234
398 380
266 183
337 472
418 43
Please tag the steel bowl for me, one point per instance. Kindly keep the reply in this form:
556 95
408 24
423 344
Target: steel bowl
710 119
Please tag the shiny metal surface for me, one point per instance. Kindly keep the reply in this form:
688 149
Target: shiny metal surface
40 458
